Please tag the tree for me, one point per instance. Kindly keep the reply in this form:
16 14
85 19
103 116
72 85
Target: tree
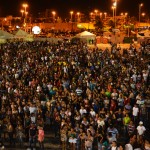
111 23
98 24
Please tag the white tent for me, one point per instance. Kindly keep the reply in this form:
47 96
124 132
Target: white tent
4 36
87 36
20 34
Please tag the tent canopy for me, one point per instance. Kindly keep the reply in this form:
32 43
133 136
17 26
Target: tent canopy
20 33
5 35
86 34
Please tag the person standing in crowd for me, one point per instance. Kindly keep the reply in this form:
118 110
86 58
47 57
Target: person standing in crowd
132 141
135 113
140 132
32 135
41 137
89 141
11 132
63 136
85 89
131 128
72 139
126 121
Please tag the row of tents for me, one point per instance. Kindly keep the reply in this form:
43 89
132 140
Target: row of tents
19 34
90 38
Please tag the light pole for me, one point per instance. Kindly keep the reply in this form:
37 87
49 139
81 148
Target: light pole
91 16
101 15
143 15
140 5
96 11
78 18
53 13
71 13
105 14
22 11
113 8
25 7
25 12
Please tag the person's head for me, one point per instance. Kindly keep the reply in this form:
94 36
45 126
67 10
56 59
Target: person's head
131 122
135 105
141 123
111 126
147 144
132 138
114 144
32 124
127 115
121 147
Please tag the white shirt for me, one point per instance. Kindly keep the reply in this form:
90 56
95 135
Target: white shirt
32 110
100 123
92 113
145 75
141 130
135 111
128 147
114 148
114 95
83 111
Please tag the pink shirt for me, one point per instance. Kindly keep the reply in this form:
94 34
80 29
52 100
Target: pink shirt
41 135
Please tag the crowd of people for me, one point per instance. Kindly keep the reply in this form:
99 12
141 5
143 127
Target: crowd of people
92 99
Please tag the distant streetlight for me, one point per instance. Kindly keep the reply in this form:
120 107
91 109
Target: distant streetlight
143 14
26 13
115 5
91 16
96 11
22 11
124 15
100 15
71 13
113 8
140 5
78 14
105 14
5 19
54 14
25 5
91 13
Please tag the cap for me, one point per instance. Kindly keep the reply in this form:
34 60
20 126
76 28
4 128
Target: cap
141 122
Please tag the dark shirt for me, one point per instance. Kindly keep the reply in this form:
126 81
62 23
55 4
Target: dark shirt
32 131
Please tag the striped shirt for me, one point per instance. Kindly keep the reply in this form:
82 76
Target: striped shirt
79 91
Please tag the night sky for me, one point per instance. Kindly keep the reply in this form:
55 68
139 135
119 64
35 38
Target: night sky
63 7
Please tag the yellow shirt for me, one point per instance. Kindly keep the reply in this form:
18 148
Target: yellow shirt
126 120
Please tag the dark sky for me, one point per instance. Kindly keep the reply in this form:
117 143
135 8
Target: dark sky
13 7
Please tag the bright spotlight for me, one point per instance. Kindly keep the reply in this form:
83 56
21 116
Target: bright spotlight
36 30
